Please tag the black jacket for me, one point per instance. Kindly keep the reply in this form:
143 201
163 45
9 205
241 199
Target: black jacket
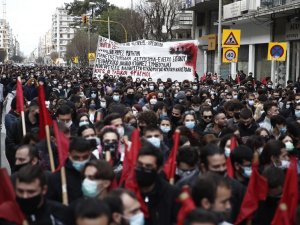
74 179
50 213
162 204
238 192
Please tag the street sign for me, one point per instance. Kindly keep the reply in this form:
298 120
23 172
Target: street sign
75 60
277 51
92 56
212 42
231 38
230 55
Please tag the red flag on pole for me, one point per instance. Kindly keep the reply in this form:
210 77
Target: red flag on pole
19 96
252 197
238 80
131 156
233 145
45 118
286 211
62 143
128 173
9 209
170 165
187 205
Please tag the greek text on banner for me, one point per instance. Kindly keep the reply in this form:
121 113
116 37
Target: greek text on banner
147 58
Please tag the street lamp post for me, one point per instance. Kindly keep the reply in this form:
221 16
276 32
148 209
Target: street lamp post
111 21
219 38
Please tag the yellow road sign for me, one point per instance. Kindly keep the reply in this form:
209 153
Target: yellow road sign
230 55
75 59
231 38
277 51
92 56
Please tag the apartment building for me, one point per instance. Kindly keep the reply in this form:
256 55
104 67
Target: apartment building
260 22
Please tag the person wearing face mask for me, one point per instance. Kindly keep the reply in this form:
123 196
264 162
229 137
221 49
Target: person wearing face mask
151 101
278 123
92 109
14 135
189 121
98 177
288 141
30 89
274 154
83 119
213 193
31 189
218 123
247 125
241 159
146 119
64 114
132 214
80 153
213 160
158 194
129 97
165 127
236 106
266 209
187 166
154 136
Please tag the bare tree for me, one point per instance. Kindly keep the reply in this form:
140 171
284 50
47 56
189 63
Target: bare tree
159 14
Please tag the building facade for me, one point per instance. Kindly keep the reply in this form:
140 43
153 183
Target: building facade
260 22
61 31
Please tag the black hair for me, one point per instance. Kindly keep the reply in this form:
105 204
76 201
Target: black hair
113 116
188 155
13 103
29 173
268 105
200 216
79 144
104 169
32 151
179 107
148 117
120 191
83 128
272 148
115 204
210 150
64 110
92 208
206 187
274 176
151 129
150 150
277 120
240 154
246 113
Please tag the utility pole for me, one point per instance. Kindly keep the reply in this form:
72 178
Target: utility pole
131 19
219 39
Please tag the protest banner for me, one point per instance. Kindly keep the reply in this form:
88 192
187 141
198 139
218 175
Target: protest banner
146 59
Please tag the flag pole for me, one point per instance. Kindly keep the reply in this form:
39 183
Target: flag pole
47 129
22 114
64 186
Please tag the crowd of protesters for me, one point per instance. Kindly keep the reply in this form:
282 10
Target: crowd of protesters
100 115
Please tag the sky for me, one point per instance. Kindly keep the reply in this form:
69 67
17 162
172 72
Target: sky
31 19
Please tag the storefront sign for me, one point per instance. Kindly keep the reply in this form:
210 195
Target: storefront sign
147 58
232 10
292 31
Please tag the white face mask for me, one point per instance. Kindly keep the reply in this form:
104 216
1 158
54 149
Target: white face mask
69 124
153 101
103 105
121 131
137 219
227 152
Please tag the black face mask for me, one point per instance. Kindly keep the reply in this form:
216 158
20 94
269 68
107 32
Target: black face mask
175 119
130 96
160 99
29 205
37 117
189 98
18 167
145 177
236 115
112 148
221 173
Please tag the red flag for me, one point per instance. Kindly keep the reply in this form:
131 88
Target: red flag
131 156
238 80
252 196
9 209
203 77
45 118
128 173
170 165
6 188
233 145
62 143
19 96
187 205
286 211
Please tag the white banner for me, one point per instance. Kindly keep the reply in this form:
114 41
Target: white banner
146 58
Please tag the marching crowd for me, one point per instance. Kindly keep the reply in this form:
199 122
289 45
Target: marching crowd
228 130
